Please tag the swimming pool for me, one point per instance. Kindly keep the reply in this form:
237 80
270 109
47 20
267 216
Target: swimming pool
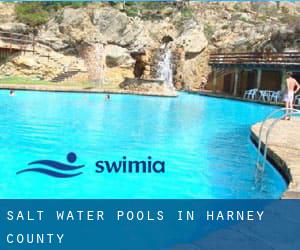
203 141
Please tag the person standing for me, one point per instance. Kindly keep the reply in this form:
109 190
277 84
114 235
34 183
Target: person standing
292 88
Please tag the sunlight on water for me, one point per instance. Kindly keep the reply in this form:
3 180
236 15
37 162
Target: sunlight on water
204 142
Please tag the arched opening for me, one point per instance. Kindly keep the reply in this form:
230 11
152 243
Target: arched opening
167 39
140 64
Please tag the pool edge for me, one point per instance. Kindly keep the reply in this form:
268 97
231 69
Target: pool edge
233 98
281 164
61 89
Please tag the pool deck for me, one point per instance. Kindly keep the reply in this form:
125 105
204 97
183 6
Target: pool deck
283 151
80 89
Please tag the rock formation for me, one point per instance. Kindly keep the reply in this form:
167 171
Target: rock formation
131 41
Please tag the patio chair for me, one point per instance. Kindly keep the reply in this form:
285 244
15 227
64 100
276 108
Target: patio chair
297 99
264 95
253 94
275 96
246 94
250 94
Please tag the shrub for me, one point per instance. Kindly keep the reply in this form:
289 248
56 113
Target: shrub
284 10
208 31
290 19
38 13
132 12
32 14
187 13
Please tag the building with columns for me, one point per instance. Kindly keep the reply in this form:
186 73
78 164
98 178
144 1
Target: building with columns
234 73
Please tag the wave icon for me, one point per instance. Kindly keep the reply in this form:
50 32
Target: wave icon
57 169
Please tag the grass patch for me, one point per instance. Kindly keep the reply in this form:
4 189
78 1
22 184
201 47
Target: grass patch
36 82
38 13
132 12
187 13
21 80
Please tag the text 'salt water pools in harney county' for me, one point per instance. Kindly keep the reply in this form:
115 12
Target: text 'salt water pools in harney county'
203 141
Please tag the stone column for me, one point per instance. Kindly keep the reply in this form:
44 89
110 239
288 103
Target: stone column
94 58
258 78
283 79
231 83
236 81
214 82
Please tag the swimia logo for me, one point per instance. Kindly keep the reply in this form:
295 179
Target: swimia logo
61 170
55 168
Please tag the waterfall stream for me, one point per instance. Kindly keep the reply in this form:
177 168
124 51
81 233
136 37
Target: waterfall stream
165 71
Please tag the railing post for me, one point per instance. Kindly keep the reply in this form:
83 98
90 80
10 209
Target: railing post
33 44
10 43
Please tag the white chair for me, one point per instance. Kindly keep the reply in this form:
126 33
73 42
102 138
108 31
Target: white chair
246 94
250 94
263 95
269 94
297 99
275 96
253 94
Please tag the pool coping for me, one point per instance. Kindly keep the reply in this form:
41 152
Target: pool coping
74 89
289 171
230 97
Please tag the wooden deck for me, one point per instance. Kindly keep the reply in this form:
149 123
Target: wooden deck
12 43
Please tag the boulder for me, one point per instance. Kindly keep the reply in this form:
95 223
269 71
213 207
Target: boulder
25 61
111 23
153 87
285 37
192 38
118 56
117 75
136 36
14 27
73 17
52 40
194 69
76 27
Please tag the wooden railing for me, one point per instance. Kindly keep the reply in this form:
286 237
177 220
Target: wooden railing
255 58
16 41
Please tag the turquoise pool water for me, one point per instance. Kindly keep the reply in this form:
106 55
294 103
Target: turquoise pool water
204 142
